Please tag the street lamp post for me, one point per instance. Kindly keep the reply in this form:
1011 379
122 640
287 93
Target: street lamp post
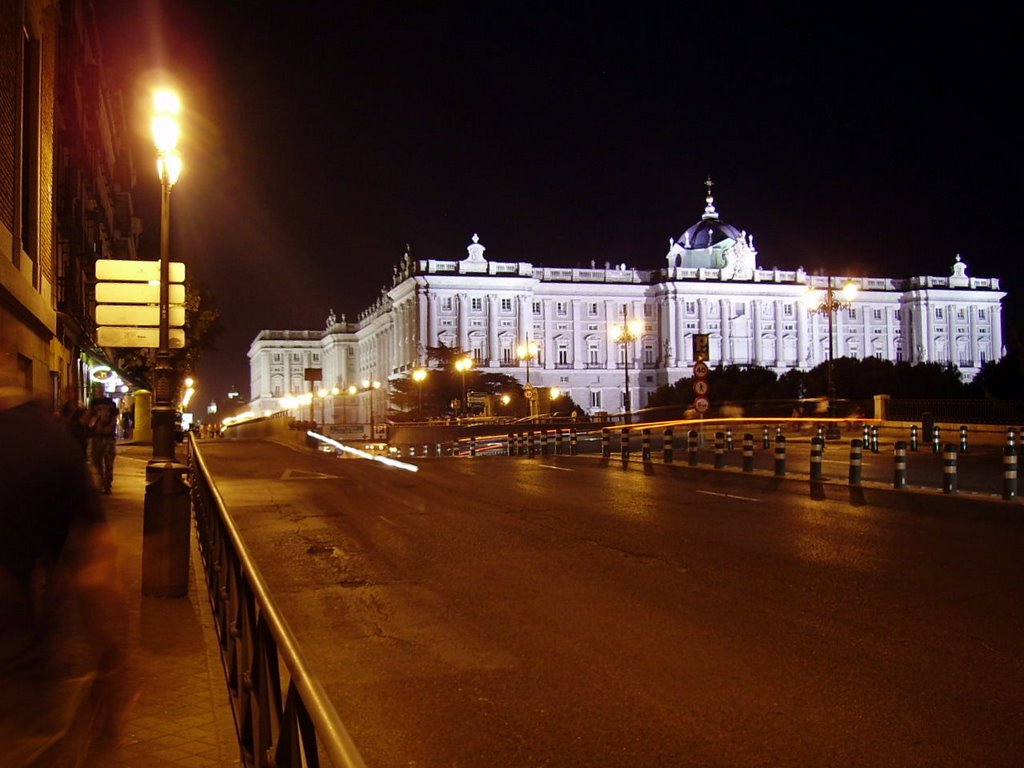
527 352
371 387
166 130
626 333
462 365
828 306
166 513
418 376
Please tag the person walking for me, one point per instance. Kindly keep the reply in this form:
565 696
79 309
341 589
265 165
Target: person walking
65 680
74 417
103 424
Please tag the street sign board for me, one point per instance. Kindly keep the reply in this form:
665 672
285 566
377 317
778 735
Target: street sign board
701 346
137 293
700 370
701 405
138 314
700 387
123 336
136 270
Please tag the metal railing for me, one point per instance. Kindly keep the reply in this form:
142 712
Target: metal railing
283 717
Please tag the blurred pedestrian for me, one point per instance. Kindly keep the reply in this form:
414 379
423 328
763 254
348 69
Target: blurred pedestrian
63 614
74 417
103 432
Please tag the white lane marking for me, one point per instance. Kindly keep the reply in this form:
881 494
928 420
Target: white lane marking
728 495
389 522
552 466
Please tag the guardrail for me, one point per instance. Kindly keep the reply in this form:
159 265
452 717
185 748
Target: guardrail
283 717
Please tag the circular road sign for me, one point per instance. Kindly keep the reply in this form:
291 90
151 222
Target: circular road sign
700 369
701 405
700 387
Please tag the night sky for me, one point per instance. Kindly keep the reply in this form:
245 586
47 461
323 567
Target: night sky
322 137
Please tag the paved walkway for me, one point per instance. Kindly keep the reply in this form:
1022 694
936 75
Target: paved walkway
182 716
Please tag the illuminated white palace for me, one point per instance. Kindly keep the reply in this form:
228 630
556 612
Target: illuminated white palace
710 284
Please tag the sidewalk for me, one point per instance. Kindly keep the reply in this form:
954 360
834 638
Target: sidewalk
182 717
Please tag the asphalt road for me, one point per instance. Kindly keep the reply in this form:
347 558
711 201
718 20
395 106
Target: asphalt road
525 612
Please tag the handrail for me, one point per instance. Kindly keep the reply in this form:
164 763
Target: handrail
254 637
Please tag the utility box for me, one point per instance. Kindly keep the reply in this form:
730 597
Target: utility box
166 531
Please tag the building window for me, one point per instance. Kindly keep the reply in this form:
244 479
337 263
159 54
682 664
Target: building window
506 305
277 357
506 355
592 309
981 314
446 304
938 313
787 310
316 357
593 353
648 310
648 354
961 313
595 398
897 314
563 353
877 314
561 308
691 308
536 307
476 303
851 313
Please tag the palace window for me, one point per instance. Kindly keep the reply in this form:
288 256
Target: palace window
595 398
691 307
446 304
851 312
476 303
877 314
506 305
563 353
561 308
592 309
787 310
648 310
938 313
593 353
536 307
981 314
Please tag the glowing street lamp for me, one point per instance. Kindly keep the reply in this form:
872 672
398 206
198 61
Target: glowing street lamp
371 387
166 132
418 376
625 333
828 304
462 365
527 352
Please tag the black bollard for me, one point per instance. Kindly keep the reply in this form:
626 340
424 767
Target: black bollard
874 438
1009 472
856 461
667 445
511 444
574 446
949 468
936 437
719 450
899 456
728 440
748 452
817 449
532 445
963 438
780 455
606 443
624 443
645 445
913 437
765 442
691 448
472 447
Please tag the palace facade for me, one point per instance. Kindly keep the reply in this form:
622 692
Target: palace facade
710 285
